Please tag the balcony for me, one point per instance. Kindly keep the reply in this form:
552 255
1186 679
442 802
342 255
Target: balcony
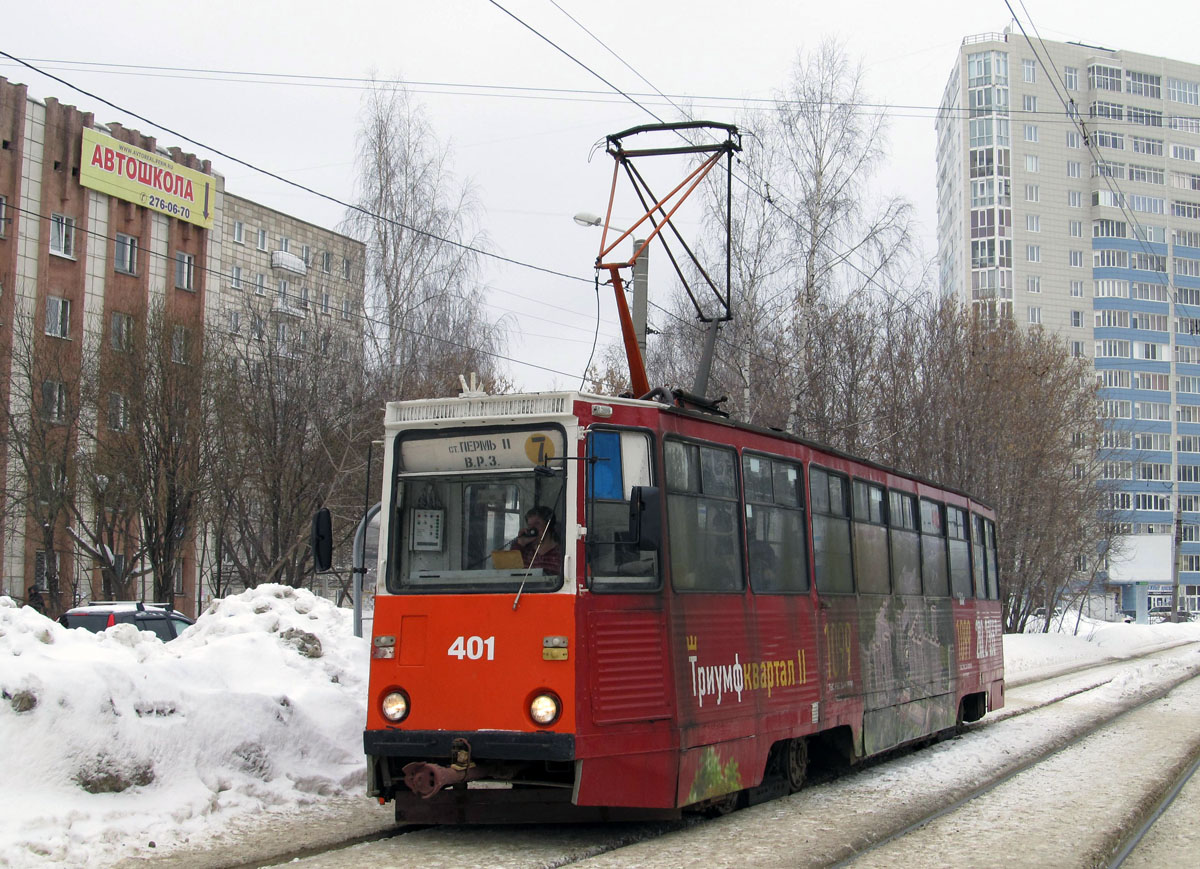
289 262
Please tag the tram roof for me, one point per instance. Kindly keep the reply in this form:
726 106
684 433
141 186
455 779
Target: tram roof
515 407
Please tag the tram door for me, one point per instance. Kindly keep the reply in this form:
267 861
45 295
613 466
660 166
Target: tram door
624 619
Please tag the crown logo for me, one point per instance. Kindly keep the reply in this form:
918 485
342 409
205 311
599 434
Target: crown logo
691 642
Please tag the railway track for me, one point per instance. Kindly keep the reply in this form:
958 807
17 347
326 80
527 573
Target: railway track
880 814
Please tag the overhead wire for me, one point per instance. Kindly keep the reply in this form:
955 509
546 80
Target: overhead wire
355 315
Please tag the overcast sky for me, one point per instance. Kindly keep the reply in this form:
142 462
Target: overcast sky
526 152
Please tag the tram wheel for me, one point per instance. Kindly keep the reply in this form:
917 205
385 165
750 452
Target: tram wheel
796 763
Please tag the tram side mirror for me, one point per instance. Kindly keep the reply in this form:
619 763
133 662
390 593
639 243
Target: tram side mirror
645 518
322 540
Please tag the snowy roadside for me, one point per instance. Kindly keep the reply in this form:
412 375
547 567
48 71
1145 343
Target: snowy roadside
243 737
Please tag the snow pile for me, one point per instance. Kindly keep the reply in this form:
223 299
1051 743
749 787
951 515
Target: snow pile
1095 642
116 740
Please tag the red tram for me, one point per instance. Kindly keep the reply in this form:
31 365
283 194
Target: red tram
706 605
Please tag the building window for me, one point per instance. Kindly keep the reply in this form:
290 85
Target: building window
239 232
62 235
3 216
1033 223
1187 92
1143 84
1032 193
54 400
235 277
1029 71
1035 316
324 301
1077 349
121 333
346 308
285 244
346 268
58 317
260 284
304 253
235 322
1075 198
1029 103
1075 259
1071 78
325 261
1031 133
118 412
1031 163
1033 253
185 271
282 289
1074 169
1077 289
125 254
1033 284
304 297
1077 319
1073 139
1075 228
262 239
179 345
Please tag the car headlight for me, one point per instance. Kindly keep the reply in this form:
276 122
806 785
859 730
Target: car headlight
545 709
394 706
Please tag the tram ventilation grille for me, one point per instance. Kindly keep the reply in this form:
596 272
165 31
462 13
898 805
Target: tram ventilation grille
479 408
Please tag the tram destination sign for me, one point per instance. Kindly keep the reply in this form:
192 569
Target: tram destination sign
504 450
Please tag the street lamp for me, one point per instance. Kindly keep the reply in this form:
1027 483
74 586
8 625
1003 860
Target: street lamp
641 275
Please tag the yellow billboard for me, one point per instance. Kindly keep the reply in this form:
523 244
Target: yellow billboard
147 179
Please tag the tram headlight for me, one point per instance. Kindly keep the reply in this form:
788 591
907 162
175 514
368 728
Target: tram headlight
394 706
545 709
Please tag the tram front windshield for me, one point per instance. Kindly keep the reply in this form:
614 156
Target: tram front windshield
493 526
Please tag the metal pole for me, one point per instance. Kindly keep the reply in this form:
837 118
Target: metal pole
641 278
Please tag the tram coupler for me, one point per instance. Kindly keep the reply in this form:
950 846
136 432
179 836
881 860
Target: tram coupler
426 779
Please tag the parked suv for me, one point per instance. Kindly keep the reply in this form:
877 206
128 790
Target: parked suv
158 618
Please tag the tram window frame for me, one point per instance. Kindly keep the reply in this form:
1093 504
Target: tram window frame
870 522
935 570
958 549
829 496
993 576
978 557
903 531
433 490
616 512
770 512
695 506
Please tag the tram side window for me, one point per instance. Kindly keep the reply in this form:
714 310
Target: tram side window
905 543
702 505
978 537
775 531
831 531
933 549
870 539
617 461
960 554
993 578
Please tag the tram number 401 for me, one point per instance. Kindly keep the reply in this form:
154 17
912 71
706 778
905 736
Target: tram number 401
473 648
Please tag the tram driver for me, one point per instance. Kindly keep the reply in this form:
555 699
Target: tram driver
538 542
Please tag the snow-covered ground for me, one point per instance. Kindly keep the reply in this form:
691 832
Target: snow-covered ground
113 741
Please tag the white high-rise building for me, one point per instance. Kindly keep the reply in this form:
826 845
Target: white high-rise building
1069 198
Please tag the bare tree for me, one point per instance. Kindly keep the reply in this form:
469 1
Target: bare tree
427 319
291 424
41 418
157 460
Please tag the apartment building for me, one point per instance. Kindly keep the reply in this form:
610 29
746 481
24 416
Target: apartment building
99 227
1069 199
